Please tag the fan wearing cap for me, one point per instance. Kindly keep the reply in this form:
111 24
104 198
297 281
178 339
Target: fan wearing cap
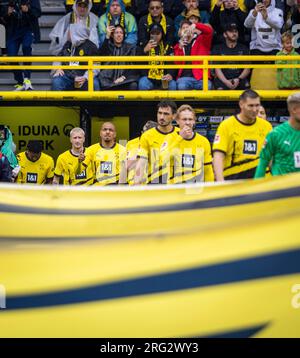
155 77
231 78
81 14
155 16
36 166
195 39
97 8
228 12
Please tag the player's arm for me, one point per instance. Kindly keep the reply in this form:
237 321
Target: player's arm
50 172
208 168
142 161
220 147
58 172
123 173
141 168
218 165
265 156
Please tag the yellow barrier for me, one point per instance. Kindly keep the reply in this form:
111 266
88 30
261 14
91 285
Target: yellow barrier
207 63
181 261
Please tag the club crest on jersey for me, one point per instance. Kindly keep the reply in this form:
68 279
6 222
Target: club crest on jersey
250 147
31 178
188 160
106 167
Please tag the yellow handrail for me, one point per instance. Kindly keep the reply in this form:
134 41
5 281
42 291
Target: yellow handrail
206 63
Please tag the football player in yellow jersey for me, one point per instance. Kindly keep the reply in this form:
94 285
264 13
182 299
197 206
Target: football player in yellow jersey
36 167
108 158
150 144
132 149
187 158
239 140
67 170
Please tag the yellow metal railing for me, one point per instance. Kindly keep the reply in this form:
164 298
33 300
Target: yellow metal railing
206 63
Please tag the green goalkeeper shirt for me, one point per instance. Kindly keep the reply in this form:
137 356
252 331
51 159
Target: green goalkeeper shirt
282 147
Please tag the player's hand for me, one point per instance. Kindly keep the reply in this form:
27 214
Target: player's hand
186 132
81 157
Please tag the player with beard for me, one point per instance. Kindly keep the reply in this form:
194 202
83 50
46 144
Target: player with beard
150 144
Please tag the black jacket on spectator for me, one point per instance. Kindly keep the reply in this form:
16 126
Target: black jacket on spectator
223 50
87 48
143 34
204 5
20 19
219 18
107 77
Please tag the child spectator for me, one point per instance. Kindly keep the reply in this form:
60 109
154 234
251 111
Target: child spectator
288 78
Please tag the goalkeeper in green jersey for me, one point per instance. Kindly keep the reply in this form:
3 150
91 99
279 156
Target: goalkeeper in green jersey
282 145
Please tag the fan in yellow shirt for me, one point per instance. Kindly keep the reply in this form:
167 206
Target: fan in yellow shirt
187 157
35 167
67 165
108 158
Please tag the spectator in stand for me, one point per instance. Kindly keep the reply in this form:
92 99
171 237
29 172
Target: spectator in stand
156 16
172 8
232 14
190 5
265 22
22 29
288 78
114 45
81 15
242 4
78 45
98 6
116 14
195 39
231 78
156 78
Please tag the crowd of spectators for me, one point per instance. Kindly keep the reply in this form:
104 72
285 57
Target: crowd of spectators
156 27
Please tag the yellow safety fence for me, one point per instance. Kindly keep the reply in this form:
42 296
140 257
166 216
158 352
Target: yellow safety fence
206 63
178 261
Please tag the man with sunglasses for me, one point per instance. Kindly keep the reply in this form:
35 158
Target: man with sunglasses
155 16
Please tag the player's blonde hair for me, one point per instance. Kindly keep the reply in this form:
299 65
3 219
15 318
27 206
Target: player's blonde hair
185 107
77 130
